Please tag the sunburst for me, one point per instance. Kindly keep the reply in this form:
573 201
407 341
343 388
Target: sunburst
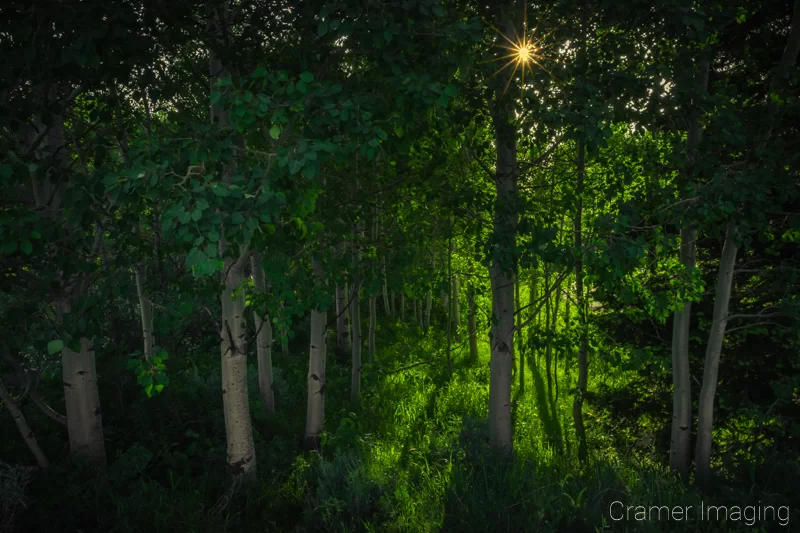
526 52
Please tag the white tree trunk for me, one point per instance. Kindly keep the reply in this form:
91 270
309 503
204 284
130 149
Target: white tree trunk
719 321
233 332
456 307
472 329
145 310
342 319
386 306
233 351
426 318
373 312
355 321
84 418
315 404
263 340
583 364
681 434
504 234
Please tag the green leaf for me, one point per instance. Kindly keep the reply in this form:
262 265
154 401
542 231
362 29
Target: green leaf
307 77
149 390
26 246
275 131
322 29
301 87
196 215
450 91
53 347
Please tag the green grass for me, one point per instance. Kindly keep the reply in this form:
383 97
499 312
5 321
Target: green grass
415 457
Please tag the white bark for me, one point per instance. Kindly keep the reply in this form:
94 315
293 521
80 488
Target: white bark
680 434
233 351
342 319
504 234
472 329
719 321
426 317
456 307
233 332
145 311
583 366
355 320
84 418
315 404
373 312
386 306
263 340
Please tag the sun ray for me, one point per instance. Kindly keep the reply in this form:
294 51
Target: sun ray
498 71
526 51
515 54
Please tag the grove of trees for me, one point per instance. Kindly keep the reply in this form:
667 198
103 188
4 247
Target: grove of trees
400 265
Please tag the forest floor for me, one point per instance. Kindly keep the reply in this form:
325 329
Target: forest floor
413 457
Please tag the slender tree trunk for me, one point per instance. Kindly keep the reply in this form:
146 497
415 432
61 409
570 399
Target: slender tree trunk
145 310
533 288
233 333
393 304
681 435
426 317
355 309
567 321
472 329
501 276
450 308
557 297
263 340
373 312
342 319
517 320
315 405
548 325
373 300
457 307
22 426
386 306
705 418
403 306
583 368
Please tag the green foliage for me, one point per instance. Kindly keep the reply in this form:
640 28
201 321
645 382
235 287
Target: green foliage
150 374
